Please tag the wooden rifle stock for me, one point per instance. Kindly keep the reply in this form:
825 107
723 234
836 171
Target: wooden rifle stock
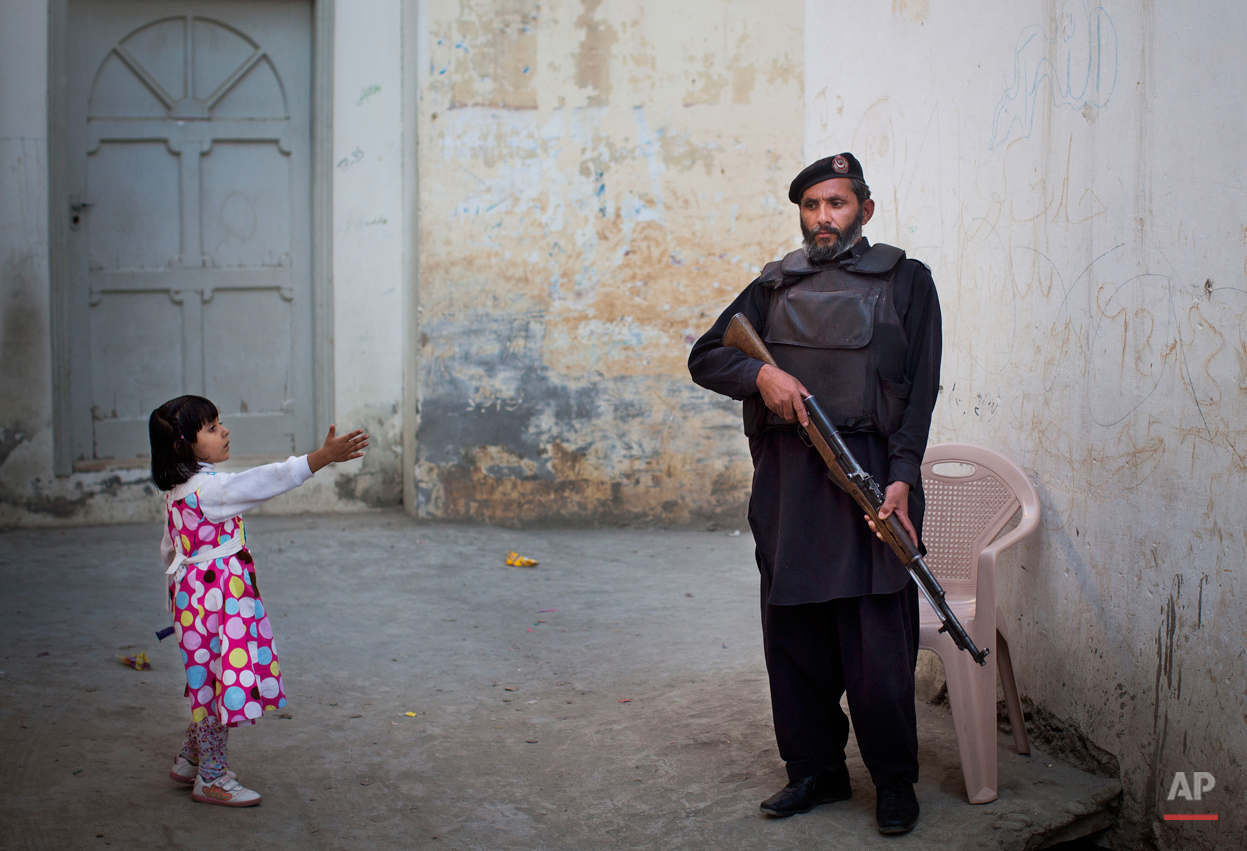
857 483
741 335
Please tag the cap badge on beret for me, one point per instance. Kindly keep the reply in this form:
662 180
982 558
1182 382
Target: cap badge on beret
839 164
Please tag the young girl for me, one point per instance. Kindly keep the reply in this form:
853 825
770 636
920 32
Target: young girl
226 639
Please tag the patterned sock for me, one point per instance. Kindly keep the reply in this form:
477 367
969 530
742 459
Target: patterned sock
213 740
190 746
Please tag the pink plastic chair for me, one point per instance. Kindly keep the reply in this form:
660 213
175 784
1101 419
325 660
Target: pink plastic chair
970 498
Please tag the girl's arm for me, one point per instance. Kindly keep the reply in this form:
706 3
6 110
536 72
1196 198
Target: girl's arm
227 495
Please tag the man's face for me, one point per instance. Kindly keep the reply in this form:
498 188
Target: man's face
831 218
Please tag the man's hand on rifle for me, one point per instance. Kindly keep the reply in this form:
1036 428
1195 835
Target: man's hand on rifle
783 394
896 499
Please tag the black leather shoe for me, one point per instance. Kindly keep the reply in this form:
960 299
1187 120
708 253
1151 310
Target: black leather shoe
801 796
896 807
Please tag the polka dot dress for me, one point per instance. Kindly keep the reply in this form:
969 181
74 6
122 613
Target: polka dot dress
223 631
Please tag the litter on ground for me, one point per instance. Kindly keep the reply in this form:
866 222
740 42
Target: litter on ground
514 559
138 662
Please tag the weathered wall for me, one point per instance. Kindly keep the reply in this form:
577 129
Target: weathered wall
1072 175
370 238
369 293
597 182
25 348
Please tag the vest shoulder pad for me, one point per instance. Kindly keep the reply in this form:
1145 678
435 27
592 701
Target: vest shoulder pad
880 259
772 276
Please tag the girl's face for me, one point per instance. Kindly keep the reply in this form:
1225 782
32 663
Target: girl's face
212 443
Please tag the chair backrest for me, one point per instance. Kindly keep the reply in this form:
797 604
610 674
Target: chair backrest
970 497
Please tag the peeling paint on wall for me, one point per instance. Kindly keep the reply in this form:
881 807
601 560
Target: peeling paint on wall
593 57
573 252
490 52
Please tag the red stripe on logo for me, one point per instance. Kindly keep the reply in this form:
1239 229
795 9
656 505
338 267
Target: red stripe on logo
1200 817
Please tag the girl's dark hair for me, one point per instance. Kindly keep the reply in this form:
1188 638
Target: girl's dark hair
172 429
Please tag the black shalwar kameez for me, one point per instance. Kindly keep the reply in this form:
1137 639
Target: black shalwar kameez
839 612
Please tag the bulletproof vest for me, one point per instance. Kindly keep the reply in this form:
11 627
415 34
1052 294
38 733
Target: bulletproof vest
836 329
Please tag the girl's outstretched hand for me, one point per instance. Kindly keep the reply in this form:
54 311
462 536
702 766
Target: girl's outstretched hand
336 448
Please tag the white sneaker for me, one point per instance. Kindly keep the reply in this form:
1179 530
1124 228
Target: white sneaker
226 791
184 771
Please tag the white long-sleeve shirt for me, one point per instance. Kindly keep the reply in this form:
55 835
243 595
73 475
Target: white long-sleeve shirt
226 495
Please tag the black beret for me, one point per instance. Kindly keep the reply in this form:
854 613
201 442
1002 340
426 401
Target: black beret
841 165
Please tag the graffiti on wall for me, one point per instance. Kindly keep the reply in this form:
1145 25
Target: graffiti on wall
1073 63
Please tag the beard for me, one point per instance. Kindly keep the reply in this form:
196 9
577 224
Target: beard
820 254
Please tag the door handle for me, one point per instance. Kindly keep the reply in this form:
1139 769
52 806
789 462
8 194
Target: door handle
76 206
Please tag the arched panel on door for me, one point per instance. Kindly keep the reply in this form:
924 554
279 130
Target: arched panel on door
193 68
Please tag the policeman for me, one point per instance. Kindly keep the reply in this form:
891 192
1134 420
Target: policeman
858 326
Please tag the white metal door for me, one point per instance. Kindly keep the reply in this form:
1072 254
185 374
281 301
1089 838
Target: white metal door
189 156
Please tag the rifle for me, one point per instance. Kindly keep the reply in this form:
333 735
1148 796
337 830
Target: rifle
857 483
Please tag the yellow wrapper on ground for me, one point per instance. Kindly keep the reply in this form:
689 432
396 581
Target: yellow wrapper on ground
514 559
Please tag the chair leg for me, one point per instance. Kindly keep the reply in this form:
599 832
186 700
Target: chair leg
972 697
1010 687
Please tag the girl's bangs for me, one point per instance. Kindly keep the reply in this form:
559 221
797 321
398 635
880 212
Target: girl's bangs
194 413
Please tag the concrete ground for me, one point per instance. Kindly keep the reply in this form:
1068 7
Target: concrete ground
613 697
